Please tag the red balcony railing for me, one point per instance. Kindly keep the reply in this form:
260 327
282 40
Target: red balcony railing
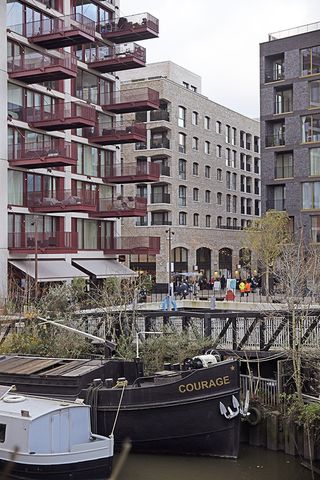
36 67
43 242
130 29
133 173
121 206
60 32
119 132
60 116
53 153
133 100
62 200
133 245
117 57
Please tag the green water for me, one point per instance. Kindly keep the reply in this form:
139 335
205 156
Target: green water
252 464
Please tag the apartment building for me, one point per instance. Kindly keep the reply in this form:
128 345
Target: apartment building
290 127
60 167
209 186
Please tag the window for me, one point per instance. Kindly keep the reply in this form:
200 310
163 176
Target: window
218 127
207 196
182 196
311 128
228 180
257 165
283 101
196 220
234 204
207 123
142 221
219 198
234 159
228 157
218 151
195 143
284 165
219 175
314 89
228 223
15 187
207 148
182 218
195 168
142 191
208 221
195 118
234 181
228 134
315 229
182 143
207 171
310 60
195 194
228 203
182 169
219 222
3 428
242 161
314 161
311 195
234 136
234 223
181 116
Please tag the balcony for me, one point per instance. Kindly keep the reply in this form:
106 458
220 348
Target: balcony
160 115
36 67
130 29
274 74
105 133
54 153
43 242
107 59
131 245
164 143
60 116
121 207
275 140
133 100
60 32
278 204
161 197
62 201
133 173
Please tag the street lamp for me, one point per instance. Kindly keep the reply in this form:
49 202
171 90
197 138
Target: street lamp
170 234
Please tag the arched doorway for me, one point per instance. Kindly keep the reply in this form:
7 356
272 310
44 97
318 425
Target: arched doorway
180 259
203 258
225 262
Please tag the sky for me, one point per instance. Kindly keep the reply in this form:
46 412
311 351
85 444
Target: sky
219 40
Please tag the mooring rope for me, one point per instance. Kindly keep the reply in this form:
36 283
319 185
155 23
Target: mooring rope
122 384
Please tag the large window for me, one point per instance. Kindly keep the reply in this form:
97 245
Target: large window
218 151
208 221
94 12
195 117
310 60
181 117
207 171
314 161
228 180
311 195
218 127
92 88
195 194
207 148
315 229
182 218
207 123
182 169
195 143
311 128
284 165
182 196
314 88
15 187
182 143
219 174
219 198
207 196
228 134
228 203
195 168
196 220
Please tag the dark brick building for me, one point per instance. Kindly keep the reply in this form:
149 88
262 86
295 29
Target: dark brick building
290 126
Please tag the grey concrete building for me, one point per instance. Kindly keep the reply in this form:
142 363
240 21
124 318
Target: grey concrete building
290 126
209 187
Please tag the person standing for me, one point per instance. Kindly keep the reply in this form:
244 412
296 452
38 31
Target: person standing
247 288
242 288
223 282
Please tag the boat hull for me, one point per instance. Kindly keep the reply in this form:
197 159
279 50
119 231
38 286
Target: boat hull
93 469
180 417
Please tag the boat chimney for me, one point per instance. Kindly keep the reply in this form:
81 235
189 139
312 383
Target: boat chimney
108 383
96 382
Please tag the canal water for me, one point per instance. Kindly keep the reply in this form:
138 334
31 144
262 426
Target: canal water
252 464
